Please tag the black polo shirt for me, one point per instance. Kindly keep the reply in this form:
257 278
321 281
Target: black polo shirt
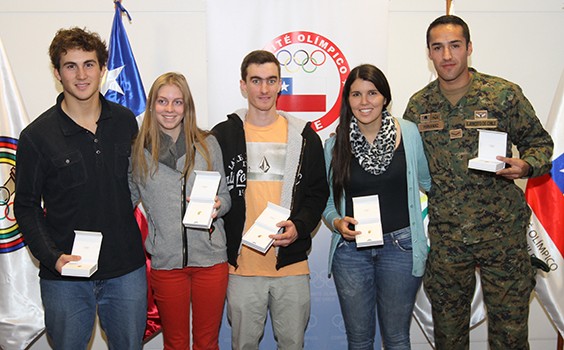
68 178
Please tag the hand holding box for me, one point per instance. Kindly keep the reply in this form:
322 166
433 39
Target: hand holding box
491 144
257 237
202 199
367 213
87 245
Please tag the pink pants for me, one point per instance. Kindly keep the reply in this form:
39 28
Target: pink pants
174 290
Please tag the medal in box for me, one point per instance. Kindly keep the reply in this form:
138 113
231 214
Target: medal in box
490 145
202 198
87 245
257 237
367 213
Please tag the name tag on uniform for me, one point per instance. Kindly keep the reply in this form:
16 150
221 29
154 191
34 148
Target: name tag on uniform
481 124
481 121
430 122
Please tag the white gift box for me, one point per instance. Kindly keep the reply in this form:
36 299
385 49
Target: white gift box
257 235
367 213
491 144
202 198
87 244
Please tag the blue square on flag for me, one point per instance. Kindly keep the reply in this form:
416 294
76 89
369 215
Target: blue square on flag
557 172
122 83
302 94
287 86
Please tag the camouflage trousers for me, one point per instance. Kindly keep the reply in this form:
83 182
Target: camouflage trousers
507 279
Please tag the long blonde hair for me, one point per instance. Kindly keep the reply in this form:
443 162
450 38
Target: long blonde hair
149 134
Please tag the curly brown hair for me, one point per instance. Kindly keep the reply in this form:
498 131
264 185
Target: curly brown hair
77 38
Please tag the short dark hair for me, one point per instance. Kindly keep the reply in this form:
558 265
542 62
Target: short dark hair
258 57
449 19
77 38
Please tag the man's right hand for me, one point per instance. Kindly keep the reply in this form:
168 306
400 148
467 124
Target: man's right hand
65 258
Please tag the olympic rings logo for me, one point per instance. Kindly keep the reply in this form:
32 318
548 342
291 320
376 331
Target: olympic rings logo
11 238
303 53
307 62
339 323
5 194
321 283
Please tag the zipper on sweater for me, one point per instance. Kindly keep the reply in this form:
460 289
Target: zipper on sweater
297 178
297 181
182 228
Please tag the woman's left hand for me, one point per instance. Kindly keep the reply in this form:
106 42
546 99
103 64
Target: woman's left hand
216 206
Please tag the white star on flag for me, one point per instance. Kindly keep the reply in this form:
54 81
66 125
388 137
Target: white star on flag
284 86
110 81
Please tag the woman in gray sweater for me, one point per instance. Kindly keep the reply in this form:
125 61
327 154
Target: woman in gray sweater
188 266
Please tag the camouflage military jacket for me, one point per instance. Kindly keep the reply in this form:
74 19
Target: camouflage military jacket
470 205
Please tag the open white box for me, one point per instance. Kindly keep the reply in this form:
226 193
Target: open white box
87 244
257 235
490 145
367 213
202 198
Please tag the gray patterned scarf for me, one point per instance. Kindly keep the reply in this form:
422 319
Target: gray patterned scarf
374 158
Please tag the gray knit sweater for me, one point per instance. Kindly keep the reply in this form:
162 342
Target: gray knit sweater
161 198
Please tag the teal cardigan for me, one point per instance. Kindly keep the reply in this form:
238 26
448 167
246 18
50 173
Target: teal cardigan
417 175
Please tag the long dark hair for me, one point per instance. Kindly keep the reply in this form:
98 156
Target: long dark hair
342 152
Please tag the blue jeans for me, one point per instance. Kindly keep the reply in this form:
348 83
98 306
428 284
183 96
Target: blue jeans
70 310
377 280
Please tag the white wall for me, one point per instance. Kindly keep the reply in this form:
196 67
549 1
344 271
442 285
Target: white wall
520 40
165 35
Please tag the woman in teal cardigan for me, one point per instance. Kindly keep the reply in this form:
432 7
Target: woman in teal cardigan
373 153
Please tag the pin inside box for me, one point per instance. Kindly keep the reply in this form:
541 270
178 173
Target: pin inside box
257 237
367 214
490 145
202 198
87 245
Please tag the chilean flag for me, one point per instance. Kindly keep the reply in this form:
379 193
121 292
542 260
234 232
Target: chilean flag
301 94
123 85
546 234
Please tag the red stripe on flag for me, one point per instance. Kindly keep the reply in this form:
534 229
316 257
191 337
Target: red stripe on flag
547 201
8 145
301 103
11 244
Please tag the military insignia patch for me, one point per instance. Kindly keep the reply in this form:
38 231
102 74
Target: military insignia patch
481 121
455 134
430 121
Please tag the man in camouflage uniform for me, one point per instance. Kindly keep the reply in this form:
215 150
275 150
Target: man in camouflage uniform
478 219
